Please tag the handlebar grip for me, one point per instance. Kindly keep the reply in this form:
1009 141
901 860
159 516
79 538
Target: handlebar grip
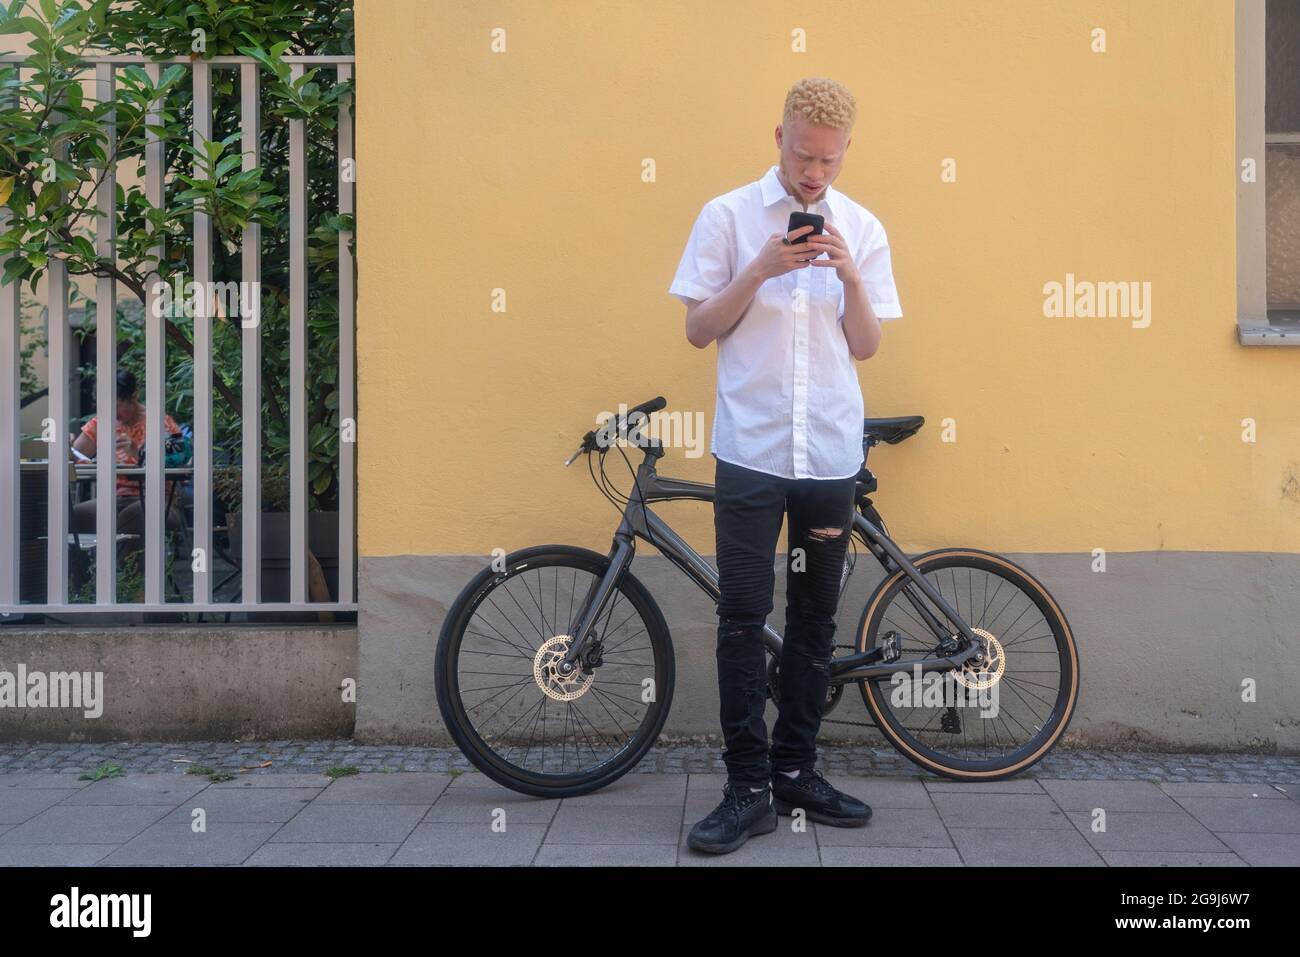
644 409
619 424
653 405
656 404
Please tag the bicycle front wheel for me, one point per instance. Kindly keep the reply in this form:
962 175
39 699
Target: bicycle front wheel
519 721
998 715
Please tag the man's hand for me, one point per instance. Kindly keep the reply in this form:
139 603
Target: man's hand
832 243
777 259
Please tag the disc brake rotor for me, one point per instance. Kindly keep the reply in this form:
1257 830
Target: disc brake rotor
983 670
557 686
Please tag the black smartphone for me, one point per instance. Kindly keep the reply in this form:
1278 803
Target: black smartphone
800 219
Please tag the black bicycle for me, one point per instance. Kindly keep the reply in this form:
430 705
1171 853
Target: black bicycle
555 665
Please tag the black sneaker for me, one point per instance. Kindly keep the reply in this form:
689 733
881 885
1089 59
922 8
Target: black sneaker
743 811
820 801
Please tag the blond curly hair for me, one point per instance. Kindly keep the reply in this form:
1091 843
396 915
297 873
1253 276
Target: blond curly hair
821 101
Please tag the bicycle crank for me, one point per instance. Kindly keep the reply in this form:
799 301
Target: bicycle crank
553 682
833 692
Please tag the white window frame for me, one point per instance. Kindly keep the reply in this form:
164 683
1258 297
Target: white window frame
1257 323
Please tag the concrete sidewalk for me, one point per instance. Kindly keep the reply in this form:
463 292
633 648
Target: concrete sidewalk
50 817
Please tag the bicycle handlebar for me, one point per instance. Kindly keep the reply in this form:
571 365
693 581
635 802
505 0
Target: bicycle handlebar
590 440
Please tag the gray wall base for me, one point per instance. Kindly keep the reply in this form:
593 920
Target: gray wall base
175 683
1166 640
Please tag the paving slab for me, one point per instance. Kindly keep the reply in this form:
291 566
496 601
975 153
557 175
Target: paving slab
472 779
994 810
483 806
173 843
839 856
278 780
23 804
252 806
1073 795
140 789
643 790
1244 814
321 855
1147 831
894 827
377 788
42 779
1262 850
1171 859
1024 847
94 824
54 855
1226 789
351 824
619 824
606 855
445 843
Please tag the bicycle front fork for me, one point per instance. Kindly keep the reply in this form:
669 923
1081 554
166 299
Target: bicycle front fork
593 606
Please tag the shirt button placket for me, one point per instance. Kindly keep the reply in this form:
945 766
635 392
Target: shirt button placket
803 306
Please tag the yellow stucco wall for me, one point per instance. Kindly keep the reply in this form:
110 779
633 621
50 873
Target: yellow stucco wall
522 170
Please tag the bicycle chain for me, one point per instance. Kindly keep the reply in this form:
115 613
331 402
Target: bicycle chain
856 724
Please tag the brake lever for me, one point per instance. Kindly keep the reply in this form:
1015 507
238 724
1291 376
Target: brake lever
584 447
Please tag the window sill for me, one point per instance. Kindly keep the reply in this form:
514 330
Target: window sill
1281 329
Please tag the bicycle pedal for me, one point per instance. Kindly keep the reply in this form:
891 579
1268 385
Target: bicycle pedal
891 647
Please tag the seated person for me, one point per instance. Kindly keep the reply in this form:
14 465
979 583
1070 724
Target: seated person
129 436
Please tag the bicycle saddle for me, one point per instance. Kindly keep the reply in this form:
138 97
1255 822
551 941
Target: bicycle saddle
892 430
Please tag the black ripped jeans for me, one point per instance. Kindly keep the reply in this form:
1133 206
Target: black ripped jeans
748 509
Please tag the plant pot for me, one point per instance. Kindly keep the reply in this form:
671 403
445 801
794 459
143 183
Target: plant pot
32 549
322 539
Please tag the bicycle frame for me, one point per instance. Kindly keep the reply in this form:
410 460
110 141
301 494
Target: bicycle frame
639 521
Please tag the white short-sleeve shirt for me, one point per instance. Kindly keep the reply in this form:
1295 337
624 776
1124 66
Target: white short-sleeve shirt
788 402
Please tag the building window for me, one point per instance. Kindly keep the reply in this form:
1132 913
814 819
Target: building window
1268 189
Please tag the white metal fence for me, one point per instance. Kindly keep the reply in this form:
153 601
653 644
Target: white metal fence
105 469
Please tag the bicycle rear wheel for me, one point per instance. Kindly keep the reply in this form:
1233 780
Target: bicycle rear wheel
515 718
991 720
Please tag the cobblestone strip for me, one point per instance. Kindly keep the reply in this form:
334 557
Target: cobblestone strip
319 756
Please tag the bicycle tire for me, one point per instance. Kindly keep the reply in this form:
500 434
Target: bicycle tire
461 728
1067 694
